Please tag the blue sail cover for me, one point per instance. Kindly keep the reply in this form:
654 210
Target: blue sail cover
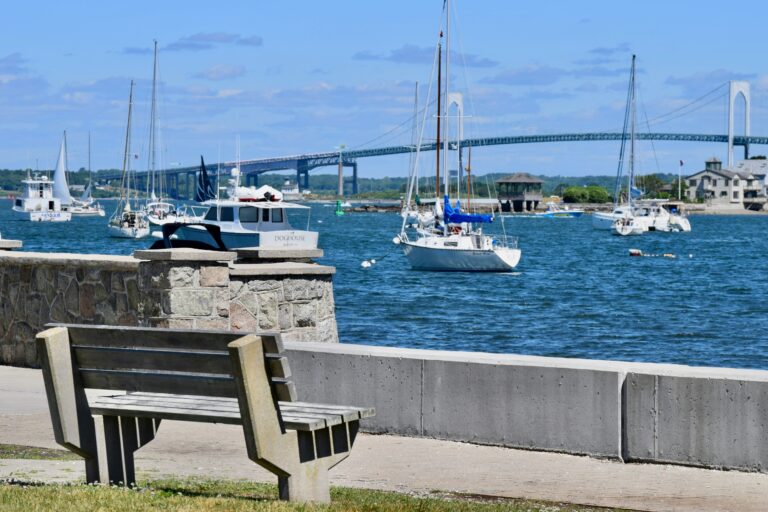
454 215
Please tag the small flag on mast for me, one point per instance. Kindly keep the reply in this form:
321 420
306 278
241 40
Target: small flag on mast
681 163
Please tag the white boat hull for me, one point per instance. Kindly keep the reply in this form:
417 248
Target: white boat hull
78 211
42 216
602 220
293 239
422 257
128 232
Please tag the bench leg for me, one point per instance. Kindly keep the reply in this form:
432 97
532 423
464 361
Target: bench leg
308 483
117 439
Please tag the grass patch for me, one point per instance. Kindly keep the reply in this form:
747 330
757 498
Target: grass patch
216 495
15 451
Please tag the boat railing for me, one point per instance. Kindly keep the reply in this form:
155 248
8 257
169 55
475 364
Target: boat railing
503 240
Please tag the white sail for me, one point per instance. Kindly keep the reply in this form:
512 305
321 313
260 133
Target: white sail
60 186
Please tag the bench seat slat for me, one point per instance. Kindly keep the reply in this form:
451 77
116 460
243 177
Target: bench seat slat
212 410
365 412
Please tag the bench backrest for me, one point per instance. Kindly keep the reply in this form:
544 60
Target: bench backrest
168 360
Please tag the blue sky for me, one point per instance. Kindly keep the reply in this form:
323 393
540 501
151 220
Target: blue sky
295 77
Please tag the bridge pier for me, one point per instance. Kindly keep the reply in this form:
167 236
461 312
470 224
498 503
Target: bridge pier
302 175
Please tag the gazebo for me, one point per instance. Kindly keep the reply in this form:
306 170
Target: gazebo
519 192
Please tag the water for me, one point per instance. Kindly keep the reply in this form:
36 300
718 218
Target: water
576 292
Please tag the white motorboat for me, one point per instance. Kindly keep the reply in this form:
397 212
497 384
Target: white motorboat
37 203
291 191
446 238
127 221
250 218
555 211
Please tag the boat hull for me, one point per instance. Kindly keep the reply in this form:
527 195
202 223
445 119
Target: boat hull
284 239
602 220
500 259
42 216
127 232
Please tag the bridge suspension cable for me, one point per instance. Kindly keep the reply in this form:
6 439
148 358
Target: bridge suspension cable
684 110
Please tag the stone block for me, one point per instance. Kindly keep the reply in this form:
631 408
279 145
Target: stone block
250 301
303 289
221 297
285 316
240 319
268 311
188 302
235 288
87 301
172 323
220 324
181 277
305 314
263 285
214 276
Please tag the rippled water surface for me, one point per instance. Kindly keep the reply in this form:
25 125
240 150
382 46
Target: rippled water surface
576 292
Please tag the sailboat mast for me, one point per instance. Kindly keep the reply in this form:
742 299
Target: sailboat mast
469 180
447 77
152 123
439 112
414 132
633 114
125 190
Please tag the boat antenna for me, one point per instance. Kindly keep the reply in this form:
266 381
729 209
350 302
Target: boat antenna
152 123
632 135
439 113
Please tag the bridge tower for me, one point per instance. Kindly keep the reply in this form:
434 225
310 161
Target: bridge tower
736 88
456 98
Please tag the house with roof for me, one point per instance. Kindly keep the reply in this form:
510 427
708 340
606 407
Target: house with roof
742 186
519 192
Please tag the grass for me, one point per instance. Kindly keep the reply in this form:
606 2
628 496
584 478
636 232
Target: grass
214 495
219 495
15 451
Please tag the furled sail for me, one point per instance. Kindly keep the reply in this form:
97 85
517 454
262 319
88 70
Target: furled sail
453 215
60 186
204 190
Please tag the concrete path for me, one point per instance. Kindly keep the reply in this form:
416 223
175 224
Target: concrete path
393 463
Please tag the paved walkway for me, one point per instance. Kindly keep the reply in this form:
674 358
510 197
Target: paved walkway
393 463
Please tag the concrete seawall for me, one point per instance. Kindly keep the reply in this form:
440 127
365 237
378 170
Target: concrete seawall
711 417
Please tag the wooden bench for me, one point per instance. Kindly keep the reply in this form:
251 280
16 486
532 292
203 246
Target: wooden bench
200 376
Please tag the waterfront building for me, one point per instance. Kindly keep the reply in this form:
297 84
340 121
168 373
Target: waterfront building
742 186
519 192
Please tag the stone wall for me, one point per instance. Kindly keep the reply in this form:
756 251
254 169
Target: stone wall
177 288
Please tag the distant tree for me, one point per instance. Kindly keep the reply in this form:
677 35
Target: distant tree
575 195
597 194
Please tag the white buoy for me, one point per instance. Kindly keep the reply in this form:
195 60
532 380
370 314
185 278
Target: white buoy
365 264
373 261
396 240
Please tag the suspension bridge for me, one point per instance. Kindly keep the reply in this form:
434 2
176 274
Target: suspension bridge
181 181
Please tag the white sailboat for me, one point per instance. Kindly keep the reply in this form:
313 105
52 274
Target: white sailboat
158 211
85 206
447 239
127 221
636 217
